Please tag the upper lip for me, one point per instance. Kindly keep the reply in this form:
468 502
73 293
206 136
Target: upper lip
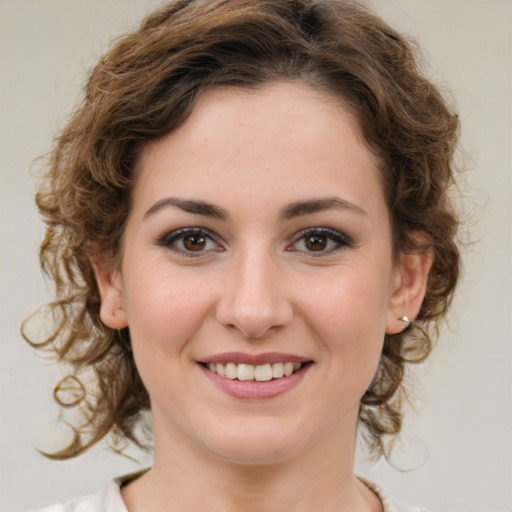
254 359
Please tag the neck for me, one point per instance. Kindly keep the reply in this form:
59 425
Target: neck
319 479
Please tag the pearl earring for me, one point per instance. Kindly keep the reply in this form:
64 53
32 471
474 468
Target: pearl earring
405 321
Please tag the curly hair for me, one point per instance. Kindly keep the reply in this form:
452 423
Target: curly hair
146 86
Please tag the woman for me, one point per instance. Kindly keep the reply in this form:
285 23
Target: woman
250 235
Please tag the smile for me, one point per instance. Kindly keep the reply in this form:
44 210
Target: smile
255 377
260 373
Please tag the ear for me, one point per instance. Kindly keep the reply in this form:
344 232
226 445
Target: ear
110 286
409 288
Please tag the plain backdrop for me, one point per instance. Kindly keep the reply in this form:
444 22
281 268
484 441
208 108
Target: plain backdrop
459 438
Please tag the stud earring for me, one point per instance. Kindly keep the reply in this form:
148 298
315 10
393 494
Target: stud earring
405 321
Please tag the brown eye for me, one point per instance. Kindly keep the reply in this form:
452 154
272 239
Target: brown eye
190 242
316 242
194 242
319 241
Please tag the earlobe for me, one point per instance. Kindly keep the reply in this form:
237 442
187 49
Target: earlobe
109 283
409 290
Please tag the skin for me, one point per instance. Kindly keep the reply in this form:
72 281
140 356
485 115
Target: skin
255 287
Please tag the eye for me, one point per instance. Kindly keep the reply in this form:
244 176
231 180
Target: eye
190 241
319 241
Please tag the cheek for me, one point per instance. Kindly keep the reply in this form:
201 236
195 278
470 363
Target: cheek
348 317
163 313
352 302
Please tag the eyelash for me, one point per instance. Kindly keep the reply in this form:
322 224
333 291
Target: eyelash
169 241
340 241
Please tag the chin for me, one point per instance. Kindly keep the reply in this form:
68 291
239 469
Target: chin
255 444
253 455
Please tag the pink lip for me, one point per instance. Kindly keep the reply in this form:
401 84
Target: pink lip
254 359
253 390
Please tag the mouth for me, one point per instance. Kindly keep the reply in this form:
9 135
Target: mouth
260 373
262 376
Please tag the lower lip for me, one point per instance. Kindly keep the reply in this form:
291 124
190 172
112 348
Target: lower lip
254 390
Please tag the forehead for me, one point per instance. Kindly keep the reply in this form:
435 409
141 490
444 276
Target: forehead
286 139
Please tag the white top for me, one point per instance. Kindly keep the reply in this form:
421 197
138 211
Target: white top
109 499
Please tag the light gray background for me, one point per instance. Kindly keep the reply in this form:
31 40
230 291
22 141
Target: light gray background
461 435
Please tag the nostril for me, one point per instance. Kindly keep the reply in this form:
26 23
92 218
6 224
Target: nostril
255 323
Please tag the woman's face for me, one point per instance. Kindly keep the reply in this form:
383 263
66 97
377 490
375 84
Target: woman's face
258 236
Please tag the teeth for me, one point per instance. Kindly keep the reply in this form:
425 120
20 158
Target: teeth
260 373
277 370
231 370
288 368
245 372
221 369
263 372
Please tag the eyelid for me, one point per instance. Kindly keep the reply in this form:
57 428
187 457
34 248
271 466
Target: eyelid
342 240
166 240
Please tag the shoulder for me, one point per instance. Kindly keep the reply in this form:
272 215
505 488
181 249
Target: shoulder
388 503
107 500
399 507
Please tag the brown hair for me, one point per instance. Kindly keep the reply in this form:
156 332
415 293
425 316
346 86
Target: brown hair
146 85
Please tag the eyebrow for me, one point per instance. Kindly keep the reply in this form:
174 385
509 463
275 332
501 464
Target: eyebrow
310 206
190 206
295 209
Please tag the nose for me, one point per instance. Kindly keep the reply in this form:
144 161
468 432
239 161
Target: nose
253 299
